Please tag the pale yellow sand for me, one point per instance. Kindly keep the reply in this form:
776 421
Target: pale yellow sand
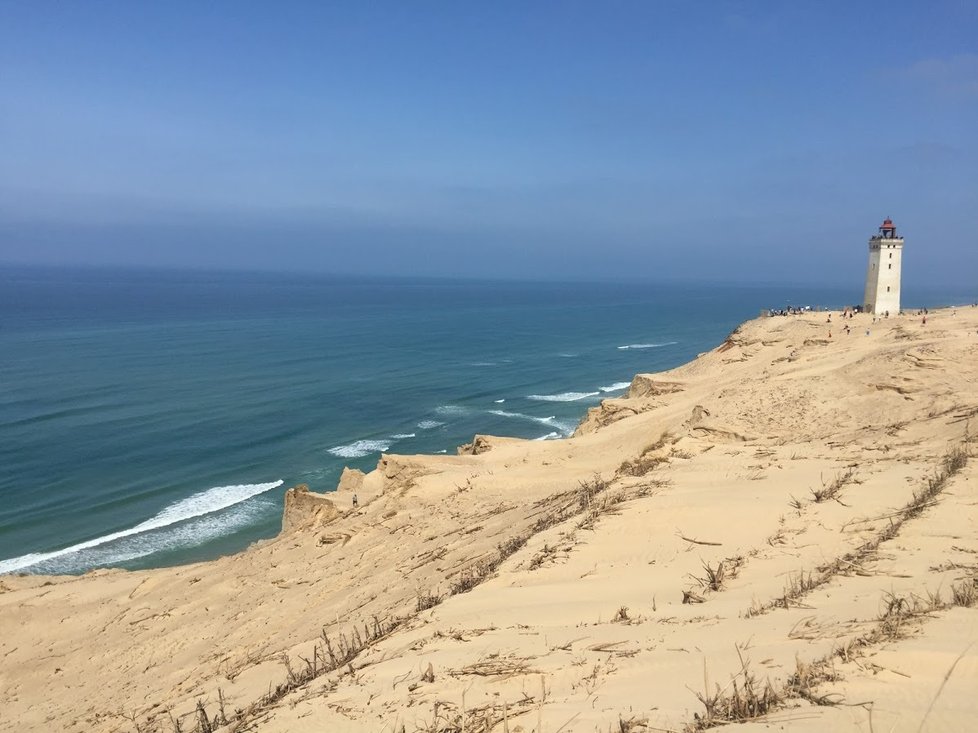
583 627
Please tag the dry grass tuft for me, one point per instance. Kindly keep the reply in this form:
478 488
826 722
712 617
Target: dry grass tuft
713 578
451 718
806 677
547 553
833 489
965 593
328 655
647 459
495 665
952 462
743 698
427 599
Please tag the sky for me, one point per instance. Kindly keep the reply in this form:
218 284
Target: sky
721 141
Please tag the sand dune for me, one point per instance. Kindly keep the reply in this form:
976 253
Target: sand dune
787 525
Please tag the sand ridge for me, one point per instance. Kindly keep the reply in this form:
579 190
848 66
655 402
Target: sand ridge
540 585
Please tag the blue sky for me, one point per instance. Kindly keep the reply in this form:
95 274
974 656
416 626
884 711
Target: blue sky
729 140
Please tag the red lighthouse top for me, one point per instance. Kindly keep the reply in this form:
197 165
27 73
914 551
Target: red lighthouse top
887 229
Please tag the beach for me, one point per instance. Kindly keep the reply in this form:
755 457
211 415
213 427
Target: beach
787 525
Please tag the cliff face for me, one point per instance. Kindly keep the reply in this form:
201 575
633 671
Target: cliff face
638 399
484 443
304 509
351 480
651 385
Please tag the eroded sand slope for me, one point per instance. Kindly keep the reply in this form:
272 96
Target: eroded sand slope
557 571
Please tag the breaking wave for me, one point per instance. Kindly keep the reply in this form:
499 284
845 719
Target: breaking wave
646 346
199 505
552 435
361 448
565 428
562 397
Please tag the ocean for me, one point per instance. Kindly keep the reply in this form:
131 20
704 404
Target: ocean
151 418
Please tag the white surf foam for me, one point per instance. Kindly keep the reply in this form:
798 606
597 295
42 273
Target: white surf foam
204 502
360 448
499 402
564 427
616 387
402 436
646 346
430 424
192 533
549 436
444 450
451 410
562 397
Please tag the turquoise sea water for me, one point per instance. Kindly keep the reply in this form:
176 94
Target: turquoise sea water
150 418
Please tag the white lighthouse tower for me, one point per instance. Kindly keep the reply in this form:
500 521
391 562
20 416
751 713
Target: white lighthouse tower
883 276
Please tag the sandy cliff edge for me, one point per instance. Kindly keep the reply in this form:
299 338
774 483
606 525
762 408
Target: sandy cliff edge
783 484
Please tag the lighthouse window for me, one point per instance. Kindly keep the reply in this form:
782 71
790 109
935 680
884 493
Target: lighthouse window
891 255
889 267
887 288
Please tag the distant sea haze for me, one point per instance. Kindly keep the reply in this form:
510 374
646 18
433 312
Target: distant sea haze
152 418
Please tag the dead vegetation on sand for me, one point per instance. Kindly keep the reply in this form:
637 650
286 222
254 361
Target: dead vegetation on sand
803 583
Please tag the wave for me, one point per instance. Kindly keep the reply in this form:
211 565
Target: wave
549 436
562 397
361 448
192 533
499 402
429 424
616 387
198 505
647 346
563 426
451 410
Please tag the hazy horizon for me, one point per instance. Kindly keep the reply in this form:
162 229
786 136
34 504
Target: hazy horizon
742 143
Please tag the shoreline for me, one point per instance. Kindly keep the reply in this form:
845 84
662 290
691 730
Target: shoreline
600 535
117 475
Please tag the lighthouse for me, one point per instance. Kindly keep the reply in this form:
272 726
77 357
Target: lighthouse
883 276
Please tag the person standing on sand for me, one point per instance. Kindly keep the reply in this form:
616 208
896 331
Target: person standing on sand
355 502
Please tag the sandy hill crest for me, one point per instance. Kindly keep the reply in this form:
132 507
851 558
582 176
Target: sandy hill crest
787 525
